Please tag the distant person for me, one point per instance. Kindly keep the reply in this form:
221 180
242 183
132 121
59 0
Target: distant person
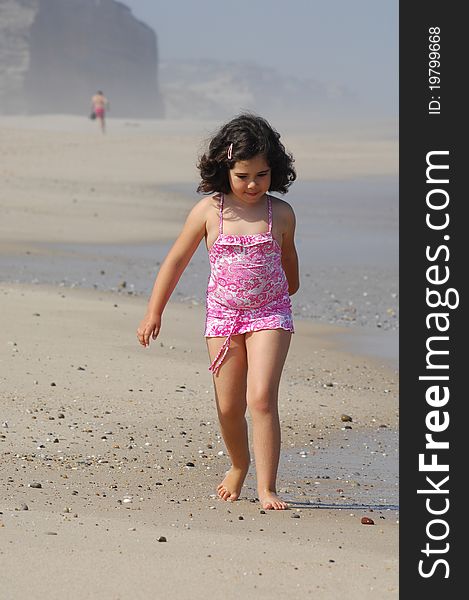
99 105
254 270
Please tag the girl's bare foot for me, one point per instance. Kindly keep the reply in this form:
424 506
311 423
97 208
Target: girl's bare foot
270 501
230 488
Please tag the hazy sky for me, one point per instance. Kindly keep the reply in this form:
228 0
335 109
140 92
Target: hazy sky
350 42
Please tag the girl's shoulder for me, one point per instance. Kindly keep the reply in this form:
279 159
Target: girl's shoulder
206 209
207 203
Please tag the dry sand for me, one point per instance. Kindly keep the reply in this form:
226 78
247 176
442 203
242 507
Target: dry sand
124 441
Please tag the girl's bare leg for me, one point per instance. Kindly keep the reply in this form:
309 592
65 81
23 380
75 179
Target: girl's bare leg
266 354
230 395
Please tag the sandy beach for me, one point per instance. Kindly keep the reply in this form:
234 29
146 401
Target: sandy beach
111 453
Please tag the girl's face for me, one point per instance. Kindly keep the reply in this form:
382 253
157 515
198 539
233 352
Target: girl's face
250 179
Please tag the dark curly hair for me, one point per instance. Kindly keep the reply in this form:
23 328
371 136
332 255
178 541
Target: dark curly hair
250 135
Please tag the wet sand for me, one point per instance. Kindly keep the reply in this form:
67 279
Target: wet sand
108 447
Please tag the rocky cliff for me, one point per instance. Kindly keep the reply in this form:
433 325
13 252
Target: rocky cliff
54 54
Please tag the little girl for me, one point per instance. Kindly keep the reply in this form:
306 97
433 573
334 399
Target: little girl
249 236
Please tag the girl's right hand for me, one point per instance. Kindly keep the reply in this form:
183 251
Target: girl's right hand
148 328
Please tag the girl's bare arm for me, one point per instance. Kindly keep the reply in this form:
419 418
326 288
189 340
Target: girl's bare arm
171 270
289 254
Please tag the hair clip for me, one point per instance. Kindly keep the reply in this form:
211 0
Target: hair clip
230 151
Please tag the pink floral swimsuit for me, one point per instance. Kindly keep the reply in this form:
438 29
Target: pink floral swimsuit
247 289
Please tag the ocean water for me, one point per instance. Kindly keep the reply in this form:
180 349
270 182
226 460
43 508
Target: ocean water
357 470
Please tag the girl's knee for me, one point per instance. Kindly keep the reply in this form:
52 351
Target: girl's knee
262 402
231 412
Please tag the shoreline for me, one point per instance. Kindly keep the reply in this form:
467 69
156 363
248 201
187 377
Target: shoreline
378 345
128 270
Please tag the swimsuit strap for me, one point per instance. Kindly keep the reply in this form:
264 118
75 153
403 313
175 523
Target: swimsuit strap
220 224
269 203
